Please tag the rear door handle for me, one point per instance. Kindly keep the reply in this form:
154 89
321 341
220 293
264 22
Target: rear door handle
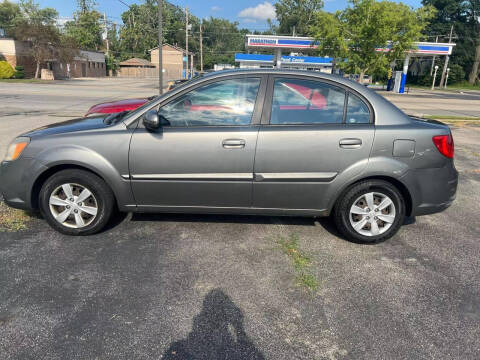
350 143
233 143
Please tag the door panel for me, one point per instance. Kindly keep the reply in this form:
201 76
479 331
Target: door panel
307 146
203 155
192 167
294 165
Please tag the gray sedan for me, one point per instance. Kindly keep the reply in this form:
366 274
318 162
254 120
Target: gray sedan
266 142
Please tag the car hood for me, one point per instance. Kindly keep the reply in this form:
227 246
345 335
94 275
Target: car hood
82 124
117 106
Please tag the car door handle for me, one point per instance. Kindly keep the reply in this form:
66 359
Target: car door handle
233 143
351 143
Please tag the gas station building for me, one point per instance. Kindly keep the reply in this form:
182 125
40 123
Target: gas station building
299 50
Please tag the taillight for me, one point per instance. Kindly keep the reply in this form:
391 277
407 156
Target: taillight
444 144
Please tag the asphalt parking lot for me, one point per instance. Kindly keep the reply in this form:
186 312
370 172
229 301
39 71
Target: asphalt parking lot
222 287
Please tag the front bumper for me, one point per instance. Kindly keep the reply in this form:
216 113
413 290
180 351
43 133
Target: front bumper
432 190
17 179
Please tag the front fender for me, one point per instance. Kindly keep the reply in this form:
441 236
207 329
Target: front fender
75 155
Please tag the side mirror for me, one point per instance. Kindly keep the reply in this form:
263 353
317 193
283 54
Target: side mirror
151 121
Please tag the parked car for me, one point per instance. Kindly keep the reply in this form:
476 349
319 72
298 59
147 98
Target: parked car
112 107
266 142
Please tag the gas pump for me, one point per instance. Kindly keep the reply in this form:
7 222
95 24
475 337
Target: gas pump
397 81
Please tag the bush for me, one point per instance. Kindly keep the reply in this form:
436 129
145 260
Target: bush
456 74
6 70
19 72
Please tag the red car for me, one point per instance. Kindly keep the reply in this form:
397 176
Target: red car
117 106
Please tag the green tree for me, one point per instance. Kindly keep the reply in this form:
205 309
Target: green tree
10 13
296 14
464 16
34 15
38 28
333 35
354 34
86 27
140 31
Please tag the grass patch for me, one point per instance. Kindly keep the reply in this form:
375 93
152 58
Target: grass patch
301 263
12 219
463 85
451 117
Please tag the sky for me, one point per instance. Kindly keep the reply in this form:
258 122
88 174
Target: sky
251 14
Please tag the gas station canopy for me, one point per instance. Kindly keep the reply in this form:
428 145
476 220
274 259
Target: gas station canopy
308 44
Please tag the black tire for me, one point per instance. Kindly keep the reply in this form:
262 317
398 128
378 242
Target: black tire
341 213
104 197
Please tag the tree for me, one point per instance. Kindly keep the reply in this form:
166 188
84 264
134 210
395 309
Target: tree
10 13
333 37
86 27
34 15
464 16
354 34
296 14
38 28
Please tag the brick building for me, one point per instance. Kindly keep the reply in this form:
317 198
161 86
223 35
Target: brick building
85 64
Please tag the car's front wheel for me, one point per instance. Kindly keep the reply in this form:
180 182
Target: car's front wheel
370 211
76 202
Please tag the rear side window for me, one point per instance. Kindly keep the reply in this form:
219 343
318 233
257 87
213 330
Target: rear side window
297 101
357 111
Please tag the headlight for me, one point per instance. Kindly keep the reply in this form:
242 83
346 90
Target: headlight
16 148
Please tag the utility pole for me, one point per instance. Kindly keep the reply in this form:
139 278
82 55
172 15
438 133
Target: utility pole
201 47
106 32
160 47
445 66
433 60
186 40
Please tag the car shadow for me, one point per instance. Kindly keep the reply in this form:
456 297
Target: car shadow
224 218
217 333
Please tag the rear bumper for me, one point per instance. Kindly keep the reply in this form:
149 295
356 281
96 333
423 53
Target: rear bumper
17 179
432 190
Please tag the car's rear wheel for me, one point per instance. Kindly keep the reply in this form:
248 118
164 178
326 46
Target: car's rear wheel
76 202
370 211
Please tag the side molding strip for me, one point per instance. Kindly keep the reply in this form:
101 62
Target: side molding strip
213 176
296 176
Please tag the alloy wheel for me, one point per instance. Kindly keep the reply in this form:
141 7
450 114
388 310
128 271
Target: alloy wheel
372 214
73 205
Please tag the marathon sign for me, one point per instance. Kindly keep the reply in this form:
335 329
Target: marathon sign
423 48
281 42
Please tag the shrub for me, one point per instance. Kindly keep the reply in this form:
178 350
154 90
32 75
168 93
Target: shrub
456 74
19 72
6 70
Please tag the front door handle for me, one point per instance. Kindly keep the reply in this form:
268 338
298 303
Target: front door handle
233 143
350 143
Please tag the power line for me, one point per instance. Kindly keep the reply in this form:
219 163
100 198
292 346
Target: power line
124 3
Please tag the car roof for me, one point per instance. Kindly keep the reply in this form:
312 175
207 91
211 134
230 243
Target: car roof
288 72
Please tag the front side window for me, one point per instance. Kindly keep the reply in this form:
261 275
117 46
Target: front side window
222 103
297 101
357 111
